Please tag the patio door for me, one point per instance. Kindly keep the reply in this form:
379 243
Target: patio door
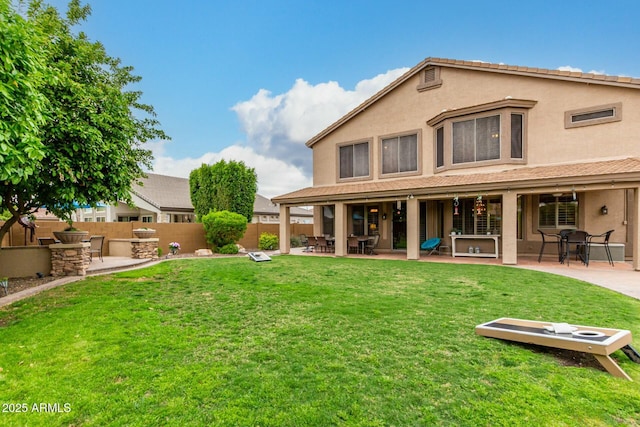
399 225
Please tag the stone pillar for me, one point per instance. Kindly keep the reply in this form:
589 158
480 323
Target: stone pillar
144 248
69 259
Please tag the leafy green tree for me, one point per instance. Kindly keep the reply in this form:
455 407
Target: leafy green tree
92 137
223 228
22 71
230 186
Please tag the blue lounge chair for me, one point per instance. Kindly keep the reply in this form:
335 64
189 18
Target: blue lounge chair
431 245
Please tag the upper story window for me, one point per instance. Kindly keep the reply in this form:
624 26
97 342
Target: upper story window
353 160
593 115
476 139
400 154
483 134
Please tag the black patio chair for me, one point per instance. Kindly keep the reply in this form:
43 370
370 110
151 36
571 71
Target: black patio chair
605 242
548 238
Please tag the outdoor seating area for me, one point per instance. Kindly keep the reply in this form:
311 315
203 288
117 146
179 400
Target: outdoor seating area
432 245
576 243
326 244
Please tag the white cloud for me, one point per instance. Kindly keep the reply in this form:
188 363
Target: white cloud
570 68
303 111
276 128
275 176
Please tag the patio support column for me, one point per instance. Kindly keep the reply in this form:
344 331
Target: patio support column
341 229
509 228
317 220
285 229
636 229
413 229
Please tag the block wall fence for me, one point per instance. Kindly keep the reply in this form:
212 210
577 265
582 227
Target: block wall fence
189 235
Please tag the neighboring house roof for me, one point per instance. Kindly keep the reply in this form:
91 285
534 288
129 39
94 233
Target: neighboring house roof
607 171
170 193
590 78
167 193
264 206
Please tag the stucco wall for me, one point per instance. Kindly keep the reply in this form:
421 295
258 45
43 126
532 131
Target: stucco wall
190 235
405 109
24 261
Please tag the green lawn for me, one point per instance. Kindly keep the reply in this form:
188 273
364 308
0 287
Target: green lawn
309 341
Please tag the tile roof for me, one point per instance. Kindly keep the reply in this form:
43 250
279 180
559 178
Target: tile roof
592 78
170 193
264 206
516 178
533 71
165 192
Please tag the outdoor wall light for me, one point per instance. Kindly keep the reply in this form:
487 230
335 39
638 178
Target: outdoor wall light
604 210
384 216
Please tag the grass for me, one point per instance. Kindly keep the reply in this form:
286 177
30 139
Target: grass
305 341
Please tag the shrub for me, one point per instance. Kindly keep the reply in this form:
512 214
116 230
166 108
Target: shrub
295 241
268 241
223 228
229 249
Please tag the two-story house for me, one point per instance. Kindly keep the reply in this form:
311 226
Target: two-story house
485 150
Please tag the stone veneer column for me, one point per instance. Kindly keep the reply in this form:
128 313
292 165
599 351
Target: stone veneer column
69 259
144 248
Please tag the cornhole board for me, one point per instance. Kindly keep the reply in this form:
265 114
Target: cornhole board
259 256
600 342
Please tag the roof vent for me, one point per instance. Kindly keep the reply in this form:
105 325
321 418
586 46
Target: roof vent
430 79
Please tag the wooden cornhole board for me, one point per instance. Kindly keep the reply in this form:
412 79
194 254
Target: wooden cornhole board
600 342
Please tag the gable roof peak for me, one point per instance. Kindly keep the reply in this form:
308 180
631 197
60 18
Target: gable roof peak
576 76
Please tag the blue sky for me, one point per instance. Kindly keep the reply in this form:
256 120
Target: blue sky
254 80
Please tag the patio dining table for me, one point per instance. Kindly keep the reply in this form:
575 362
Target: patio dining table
362 242
580 240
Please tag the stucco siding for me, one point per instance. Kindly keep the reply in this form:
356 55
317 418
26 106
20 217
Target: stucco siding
405 109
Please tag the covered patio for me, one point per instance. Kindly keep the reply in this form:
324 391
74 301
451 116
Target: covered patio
508 206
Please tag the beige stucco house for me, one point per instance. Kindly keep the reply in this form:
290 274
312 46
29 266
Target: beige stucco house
493 151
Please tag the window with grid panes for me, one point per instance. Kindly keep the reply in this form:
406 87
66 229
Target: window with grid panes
557 211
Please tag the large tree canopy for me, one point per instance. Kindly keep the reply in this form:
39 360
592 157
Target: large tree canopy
91 138
229 186
22 70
